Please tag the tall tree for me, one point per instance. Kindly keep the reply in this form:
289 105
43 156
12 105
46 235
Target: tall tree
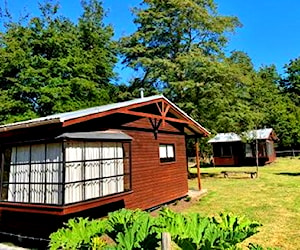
50 64
178 48
291 83
172 33
282 114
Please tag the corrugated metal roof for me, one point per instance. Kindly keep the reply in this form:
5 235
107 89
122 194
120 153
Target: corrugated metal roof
225 137
260 134
97 135
58 118
62 117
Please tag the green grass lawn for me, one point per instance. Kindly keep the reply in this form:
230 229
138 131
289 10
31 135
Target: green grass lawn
273 199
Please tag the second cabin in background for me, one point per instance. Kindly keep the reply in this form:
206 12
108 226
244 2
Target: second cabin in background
230 149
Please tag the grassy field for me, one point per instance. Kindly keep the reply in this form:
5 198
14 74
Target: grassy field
273 199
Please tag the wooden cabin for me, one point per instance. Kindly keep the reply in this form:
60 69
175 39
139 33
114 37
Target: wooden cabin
84 163
229 149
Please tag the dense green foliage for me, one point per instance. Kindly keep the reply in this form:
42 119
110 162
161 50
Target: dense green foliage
291 83
80 233
137 229
179 47
50 64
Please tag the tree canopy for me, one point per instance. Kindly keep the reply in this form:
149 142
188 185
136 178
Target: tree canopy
172 33
179 48
50 64
291 83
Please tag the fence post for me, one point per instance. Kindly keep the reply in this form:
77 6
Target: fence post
293 153
165 241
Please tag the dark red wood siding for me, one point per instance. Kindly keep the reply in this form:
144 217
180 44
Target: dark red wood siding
154 183
271 157
226 161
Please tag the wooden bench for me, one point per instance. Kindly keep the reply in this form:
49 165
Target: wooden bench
253 174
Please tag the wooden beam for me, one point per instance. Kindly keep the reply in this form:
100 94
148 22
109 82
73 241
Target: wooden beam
153 116
155 125
198 163
158 107
105 113
87 118
164 114
167 109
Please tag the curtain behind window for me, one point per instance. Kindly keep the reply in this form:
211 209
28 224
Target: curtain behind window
28 164
97 165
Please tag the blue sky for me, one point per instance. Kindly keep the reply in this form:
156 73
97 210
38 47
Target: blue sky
270 32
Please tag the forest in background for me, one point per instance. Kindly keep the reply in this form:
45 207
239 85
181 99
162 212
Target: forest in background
50 64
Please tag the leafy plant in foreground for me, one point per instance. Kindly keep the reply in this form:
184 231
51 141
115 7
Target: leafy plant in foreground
191 231
252 246
79 233
133 229
236 229
137 229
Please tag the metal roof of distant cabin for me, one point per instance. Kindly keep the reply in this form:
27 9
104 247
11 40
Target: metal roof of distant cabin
62 117
260 134
225 137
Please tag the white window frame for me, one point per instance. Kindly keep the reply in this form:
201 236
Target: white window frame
167 152
65 172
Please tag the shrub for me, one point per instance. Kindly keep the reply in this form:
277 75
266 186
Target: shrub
188 198
139 230
133 229
252 246
191 231
79 233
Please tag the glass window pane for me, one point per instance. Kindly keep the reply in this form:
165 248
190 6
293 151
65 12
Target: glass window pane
162 151
170 151
248 150
167 152
226 150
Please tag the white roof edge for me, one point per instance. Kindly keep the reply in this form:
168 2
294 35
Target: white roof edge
261 134
225 137
62 117
185 114
106 107
27 124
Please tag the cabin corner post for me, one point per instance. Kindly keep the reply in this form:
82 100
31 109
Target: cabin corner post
63 172
130 165
198 162
1 173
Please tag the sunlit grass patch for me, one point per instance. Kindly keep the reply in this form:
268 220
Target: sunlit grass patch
273 199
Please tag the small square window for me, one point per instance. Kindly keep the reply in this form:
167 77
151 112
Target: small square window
226 151
166 152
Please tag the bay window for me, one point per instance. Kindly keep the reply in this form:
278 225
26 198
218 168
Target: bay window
64 172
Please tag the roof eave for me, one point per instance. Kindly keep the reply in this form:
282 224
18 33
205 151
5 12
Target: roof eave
29 124
201 130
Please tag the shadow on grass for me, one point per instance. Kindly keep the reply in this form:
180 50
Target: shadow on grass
289 174
203 175
219 175
202 165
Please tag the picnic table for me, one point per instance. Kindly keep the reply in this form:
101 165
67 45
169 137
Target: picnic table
253 174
